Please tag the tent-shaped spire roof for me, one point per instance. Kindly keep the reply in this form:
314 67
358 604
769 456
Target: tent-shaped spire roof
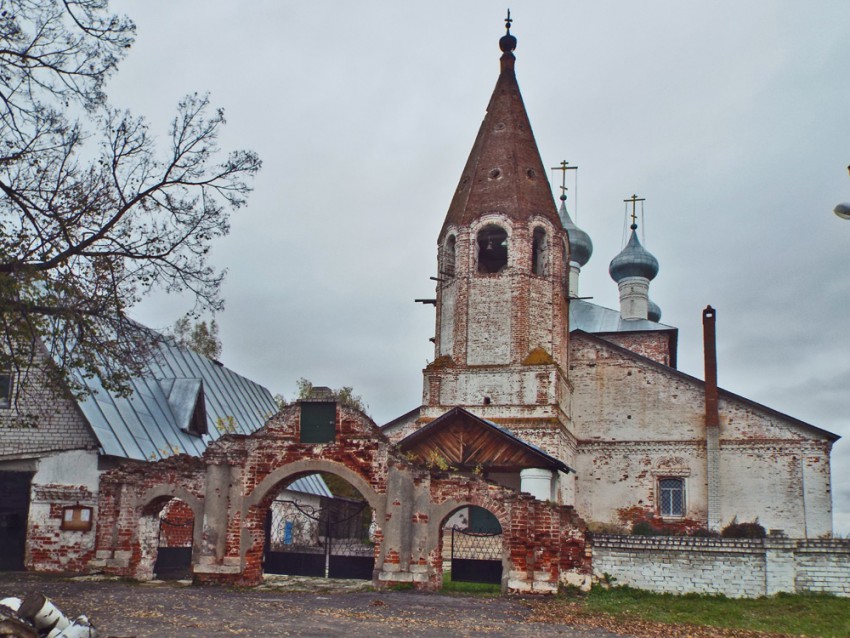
504 172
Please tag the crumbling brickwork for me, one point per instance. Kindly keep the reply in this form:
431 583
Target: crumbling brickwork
228 493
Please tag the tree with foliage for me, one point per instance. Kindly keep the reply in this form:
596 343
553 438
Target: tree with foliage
344 395
200 337
92 215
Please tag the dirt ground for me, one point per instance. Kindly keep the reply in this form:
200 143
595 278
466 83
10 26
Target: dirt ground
127 609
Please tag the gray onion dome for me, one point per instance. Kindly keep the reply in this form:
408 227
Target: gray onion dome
653 311
633 261
581 248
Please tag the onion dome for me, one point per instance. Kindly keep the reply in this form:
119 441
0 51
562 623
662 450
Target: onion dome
581 248
633 261
653 311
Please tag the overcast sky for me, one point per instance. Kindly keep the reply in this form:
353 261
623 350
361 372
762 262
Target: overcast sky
731 118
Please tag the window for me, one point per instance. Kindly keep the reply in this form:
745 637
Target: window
5 390
492 243
672 492
539 252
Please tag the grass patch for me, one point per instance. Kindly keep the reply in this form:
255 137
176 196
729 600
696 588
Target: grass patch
798 614
461 587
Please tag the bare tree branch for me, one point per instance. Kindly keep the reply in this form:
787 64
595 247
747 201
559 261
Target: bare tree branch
92 215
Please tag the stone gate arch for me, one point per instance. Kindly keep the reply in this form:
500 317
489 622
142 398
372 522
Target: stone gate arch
256 505
462 551
149 507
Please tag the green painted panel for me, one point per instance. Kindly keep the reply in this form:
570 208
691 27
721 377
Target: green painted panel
318 422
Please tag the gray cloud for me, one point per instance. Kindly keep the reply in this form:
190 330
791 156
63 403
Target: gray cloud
730 119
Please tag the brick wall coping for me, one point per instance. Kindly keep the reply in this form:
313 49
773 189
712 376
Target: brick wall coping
695 543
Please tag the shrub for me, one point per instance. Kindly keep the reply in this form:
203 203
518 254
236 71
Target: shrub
644 528
702 532
743 530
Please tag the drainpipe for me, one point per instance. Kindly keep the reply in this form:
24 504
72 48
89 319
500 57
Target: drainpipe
712 418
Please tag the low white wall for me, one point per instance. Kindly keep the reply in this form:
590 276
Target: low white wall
738 568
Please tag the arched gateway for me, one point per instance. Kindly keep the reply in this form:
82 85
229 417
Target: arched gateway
239 488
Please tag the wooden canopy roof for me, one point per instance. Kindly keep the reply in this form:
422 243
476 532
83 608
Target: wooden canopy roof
463 440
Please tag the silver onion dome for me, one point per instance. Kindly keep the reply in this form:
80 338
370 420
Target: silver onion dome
581 248
653 311
633 261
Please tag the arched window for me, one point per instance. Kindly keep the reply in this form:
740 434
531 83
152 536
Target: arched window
539 253
447 268
492 243
672 496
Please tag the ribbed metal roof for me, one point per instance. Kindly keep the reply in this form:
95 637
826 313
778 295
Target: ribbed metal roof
310 484
592 318
152 423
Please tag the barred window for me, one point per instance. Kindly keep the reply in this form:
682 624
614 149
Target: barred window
672 502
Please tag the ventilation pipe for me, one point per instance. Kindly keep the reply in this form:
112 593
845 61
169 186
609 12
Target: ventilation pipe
712 418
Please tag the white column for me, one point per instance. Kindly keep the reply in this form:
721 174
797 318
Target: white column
634 297
537 482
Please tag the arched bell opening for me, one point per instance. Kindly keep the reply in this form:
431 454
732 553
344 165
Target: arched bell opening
492 249
539 253
448 259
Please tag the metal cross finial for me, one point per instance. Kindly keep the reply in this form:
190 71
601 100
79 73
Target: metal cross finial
564 167
634 199
508 21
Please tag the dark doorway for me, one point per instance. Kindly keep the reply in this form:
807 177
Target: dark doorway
14 511
174 545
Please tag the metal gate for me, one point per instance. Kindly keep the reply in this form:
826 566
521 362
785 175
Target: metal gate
173 562
330 540
476 556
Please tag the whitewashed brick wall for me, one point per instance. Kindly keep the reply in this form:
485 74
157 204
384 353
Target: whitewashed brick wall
739 568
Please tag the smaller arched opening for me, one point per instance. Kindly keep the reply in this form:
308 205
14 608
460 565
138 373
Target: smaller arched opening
472 547
166 540
492 249
447 265
539 253
319 525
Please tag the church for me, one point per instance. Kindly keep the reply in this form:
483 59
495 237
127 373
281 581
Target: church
517 348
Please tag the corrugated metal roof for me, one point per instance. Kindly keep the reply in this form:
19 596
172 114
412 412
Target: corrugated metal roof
310 484
152 422
592 318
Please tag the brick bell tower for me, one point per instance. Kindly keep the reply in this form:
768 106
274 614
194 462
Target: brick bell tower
501 342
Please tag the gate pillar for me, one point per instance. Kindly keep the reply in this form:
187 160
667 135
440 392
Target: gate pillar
221 485
403 552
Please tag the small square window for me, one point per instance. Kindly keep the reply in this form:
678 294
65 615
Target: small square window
672 493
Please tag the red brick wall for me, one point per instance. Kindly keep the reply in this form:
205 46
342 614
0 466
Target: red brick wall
176 524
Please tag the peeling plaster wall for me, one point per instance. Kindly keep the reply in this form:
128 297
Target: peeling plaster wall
652 345
60 480
636 422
